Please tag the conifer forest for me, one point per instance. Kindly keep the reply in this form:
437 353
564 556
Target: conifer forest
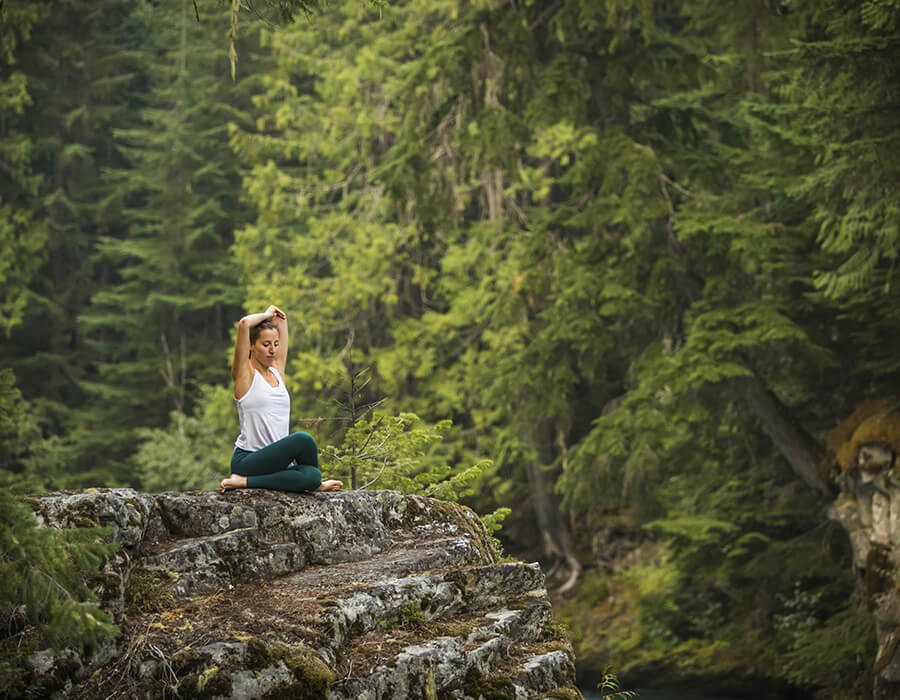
613 273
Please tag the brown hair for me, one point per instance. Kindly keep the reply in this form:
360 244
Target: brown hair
259 328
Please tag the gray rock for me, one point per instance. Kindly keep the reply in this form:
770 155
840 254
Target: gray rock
868 507
365 594
875 457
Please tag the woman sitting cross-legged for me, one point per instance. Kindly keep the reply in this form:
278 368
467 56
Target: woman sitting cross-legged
265 455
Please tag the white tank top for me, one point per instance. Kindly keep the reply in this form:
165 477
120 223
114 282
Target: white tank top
264 413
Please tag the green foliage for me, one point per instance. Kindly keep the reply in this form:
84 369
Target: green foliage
77 91
838 80
823 652
609 686
192 452
594 591
494 521
9 397
411 614
186 455
30 459
393 452
168 257
724 587
41 582
23 228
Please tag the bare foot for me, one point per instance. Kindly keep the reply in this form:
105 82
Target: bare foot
235 481
331 485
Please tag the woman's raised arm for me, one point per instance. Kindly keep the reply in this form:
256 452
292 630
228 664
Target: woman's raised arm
241 370
280 321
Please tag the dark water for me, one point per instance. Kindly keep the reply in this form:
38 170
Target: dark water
647 694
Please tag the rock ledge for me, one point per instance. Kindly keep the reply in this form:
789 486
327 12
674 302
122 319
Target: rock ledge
258 594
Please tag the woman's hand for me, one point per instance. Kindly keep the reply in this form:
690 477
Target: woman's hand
275 312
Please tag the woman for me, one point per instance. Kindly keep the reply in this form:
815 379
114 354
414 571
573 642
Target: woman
265 455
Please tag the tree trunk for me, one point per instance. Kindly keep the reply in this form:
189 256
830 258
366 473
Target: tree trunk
556 540
799 448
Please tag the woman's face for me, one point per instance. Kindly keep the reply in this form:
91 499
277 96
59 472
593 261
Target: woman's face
265 347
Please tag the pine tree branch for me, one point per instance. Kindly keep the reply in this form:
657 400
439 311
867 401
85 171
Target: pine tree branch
377 476
60 589
371 433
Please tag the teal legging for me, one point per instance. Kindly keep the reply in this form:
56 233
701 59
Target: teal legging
289 464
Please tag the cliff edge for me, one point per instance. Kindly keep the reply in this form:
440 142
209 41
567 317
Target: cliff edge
260 594
863 460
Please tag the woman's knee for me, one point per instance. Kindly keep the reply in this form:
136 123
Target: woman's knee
305 439
307 452
315 481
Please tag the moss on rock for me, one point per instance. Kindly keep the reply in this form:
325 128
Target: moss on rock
145 592
211 680
873 422
490 687
84 514
312 677
206 683
455 515
188 660
458 579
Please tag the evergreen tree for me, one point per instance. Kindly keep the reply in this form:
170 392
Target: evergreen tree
839 99
41 578
23 233
836 98
326 246
43 595
79 90
162 318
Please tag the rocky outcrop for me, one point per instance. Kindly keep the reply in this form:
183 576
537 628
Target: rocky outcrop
864 451
259 594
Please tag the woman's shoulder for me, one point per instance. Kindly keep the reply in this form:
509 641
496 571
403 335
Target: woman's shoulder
245 383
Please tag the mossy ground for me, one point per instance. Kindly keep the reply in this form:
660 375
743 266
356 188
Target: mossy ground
494 686
312 677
